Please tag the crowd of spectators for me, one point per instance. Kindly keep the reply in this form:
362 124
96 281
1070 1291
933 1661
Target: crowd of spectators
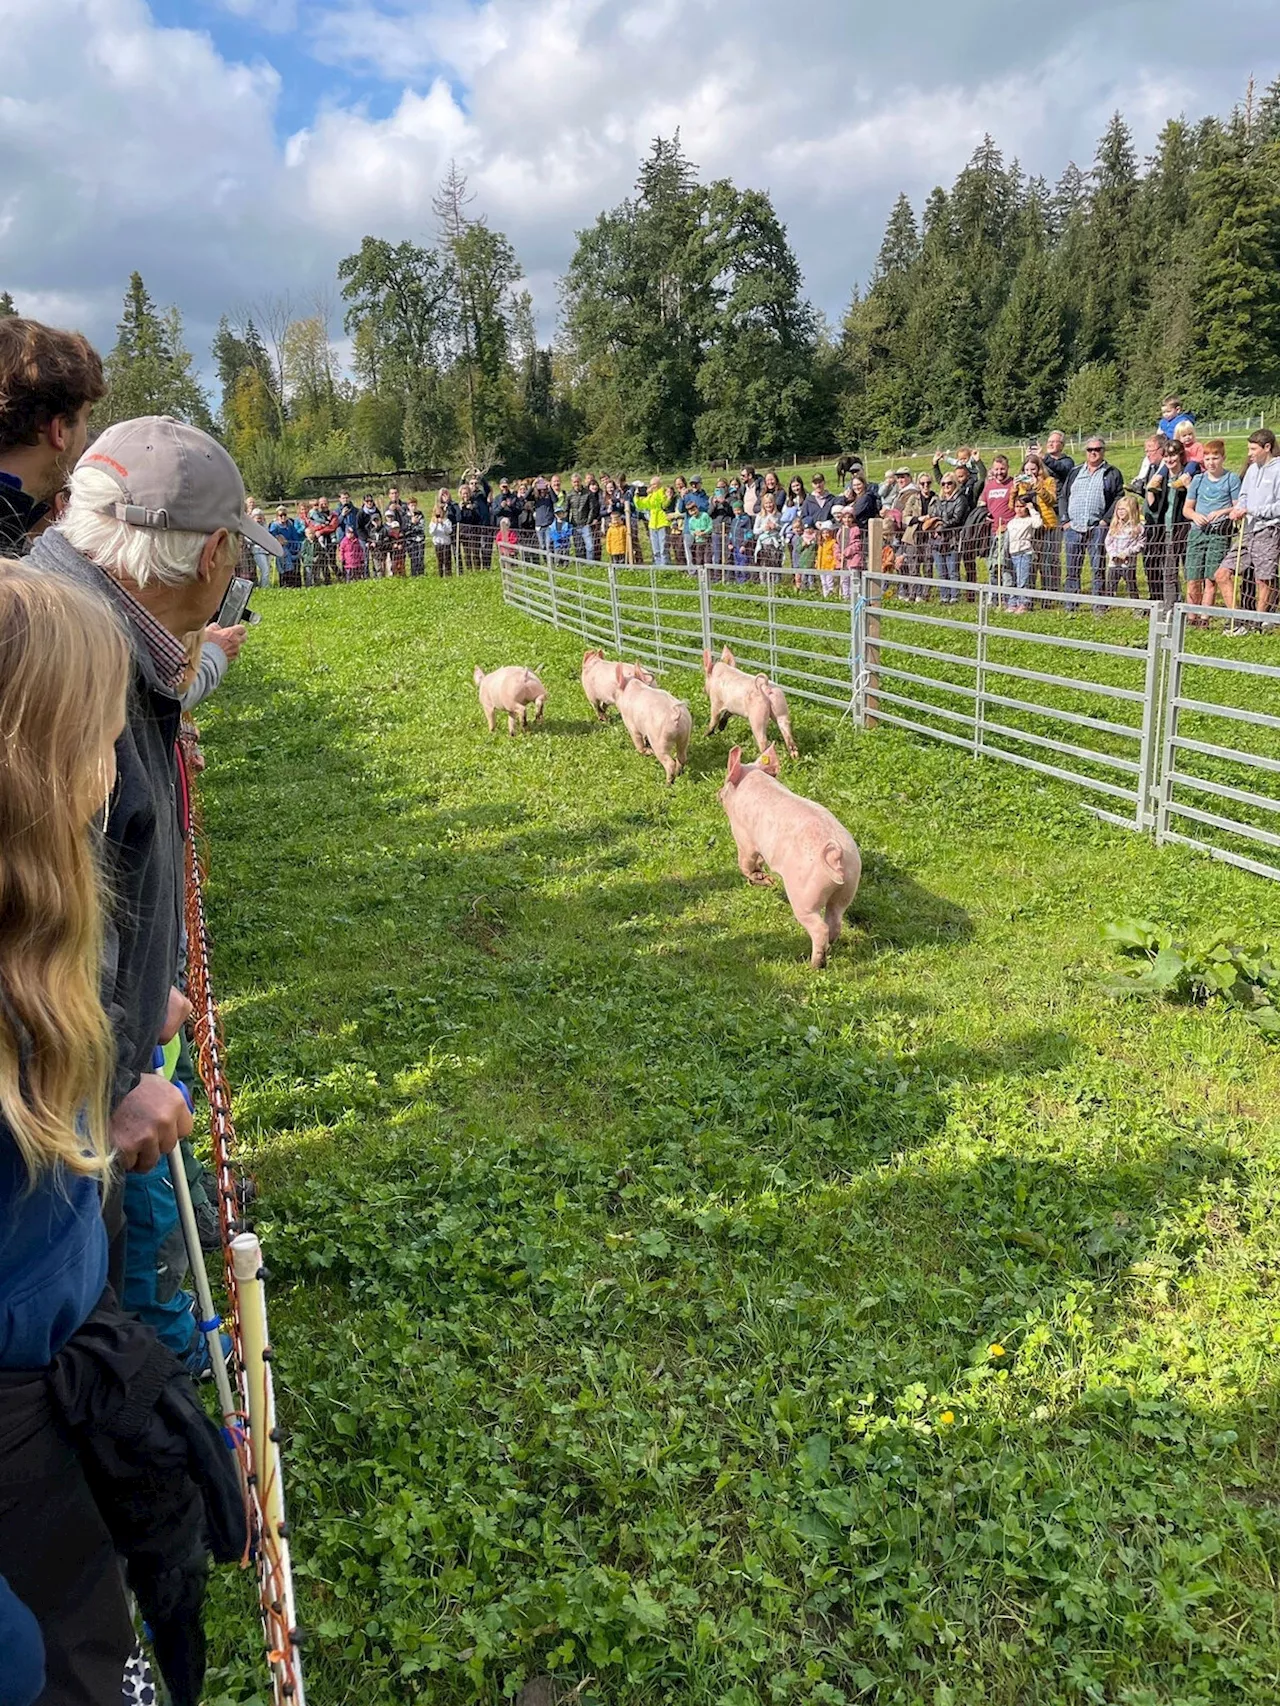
1186 526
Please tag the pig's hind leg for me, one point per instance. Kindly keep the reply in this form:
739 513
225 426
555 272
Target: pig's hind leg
815 925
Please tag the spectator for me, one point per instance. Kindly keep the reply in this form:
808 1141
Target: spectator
1172 416
996 499
324 530
850 549
773 486
1019 537
770 539
262 558
561 498
597 514
475 528
351 557
615 538
444 520
817 507
1258 506
507 505
917 559
62 705
792 511
652 504
1186 437
721 512
583 512
948 513
1041 488
49 381
807 556
825 561
866 503
543 499
742 540
1153 456
886 491
1055 457
1086 501
1125 538
698 526
1211 496
289 534
751 486
1172 527
507 539
415 537
560 537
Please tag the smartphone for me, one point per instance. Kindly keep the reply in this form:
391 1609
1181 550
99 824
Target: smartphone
234 606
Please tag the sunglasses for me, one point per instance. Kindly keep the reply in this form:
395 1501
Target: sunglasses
1093 450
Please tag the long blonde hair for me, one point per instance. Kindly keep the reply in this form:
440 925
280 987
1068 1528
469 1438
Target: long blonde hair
63 677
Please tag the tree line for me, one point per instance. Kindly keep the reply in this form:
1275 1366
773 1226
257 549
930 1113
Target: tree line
684 332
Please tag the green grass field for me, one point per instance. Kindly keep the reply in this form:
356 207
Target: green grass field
657 1316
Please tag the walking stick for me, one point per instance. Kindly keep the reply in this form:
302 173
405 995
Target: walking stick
1235 579
210 1323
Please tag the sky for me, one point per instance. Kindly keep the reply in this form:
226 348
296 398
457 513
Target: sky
234 150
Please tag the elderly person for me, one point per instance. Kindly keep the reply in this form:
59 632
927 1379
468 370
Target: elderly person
153 526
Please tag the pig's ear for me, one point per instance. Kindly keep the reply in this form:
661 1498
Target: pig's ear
587 656
706 663
734 774
620 674
769 760
727 656
477 675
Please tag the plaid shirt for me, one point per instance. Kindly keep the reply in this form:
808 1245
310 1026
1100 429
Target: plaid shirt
166 651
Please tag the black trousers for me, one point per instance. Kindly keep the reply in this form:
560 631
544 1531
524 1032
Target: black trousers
55 1551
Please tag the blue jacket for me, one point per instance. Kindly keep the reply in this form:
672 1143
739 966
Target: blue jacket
22 1674
53 1259
1169 427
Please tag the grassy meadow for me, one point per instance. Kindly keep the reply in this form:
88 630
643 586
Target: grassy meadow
657 1321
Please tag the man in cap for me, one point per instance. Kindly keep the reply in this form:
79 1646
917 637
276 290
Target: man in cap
153 525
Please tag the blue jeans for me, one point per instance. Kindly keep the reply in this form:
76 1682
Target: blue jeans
658 545
947 564
588 539
263 560
1020 566
544 539
1079 541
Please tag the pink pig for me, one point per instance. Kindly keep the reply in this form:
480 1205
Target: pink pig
655 719
512 690
599 680
733 692
812 851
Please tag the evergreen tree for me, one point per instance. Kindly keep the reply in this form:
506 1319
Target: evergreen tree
1236 349
1025 371
150 370
6 305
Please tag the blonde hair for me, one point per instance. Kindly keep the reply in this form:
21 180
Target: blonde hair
63 676
1126 513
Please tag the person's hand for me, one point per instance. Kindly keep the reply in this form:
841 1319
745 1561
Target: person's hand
149 1123
229 640
176 1015
1237 512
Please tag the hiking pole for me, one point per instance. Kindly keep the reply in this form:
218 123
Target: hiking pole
210 1322
1235 579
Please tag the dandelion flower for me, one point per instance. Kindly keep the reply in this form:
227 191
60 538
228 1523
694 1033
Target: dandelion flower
995 1350
947 1417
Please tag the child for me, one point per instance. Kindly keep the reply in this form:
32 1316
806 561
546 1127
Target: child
742 540
559 537
1125 539
508 540
615 537
806 557
352 558
826 557
699 528
770 541
1020 545
849 550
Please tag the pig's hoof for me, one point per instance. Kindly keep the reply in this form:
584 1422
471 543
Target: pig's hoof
761 880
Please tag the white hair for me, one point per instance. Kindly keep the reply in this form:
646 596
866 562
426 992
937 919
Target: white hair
144 555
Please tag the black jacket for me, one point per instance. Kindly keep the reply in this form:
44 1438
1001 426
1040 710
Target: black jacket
584 507
1059 466
143 844
19 512
951 515
1112 491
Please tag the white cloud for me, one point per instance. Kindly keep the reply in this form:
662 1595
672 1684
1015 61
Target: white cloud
131 145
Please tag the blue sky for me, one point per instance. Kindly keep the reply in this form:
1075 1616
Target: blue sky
233 150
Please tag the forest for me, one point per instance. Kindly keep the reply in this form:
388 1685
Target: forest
1002 305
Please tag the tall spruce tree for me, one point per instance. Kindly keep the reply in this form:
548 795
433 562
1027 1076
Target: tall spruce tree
150 371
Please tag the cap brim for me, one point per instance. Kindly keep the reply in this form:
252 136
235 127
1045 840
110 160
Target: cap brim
250 530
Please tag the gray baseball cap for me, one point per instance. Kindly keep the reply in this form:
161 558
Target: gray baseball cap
174 476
